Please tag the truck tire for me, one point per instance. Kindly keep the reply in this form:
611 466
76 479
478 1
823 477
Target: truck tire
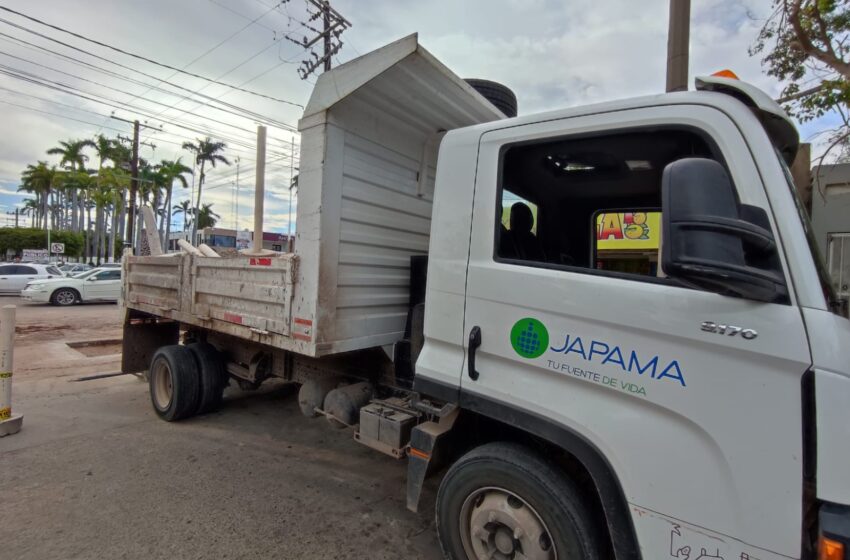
174 382
501 499
211 374
499 95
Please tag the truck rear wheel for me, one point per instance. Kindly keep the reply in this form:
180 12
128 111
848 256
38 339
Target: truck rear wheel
174 383
211 375
503 501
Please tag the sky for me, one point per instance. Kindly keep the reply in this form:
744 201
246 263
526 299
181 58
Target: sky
553 54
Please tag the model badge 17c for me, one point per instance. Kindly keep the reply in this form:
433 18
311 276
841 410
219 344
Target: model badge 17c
729 330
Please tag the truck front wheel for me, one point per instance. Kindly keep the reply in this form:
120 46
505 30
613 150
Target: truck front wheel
174 383
501 500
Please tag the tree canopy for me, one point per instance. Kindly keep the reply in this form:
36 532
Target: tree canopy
804 43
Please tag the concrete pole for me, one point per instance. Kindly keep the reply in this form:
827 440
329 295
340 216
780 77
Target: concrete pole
9 423
678 40
259 189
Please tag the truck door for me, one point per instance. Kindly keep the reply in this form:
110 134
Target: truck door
692 397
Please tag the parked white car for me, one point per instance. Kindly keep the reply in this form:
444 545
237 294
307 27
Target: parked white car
15 276
99 284
72 269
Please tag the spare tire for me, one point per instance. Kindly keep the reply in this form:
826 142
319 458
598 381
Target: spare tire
499 95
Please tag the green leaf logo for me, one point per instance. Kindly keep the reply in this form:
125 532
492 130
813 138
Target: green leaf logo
529 338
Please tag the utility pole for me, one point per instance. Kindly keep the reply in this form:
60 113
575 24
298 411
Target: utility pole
134 181
259 191
237 194
326 16
333 24
678 40
289 243
134 187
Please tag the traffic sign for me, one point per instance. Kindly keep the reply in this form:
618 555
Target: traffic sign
57 248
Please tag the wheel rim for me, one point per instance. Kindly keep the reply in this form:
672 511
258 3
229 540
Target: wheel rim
64 297
498 524
162 387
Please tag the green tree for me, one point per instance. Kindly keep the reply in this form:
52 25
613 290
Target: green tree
170 171
73 159
185 208
206 217
39 180
804 43
207 151
18 239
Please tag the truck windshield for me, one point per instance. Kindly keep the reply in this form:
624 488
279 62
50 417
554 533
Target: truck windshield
823 274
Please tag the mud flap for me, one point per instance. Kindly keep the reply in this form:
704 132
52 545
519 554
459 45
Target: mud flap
424 456
144 335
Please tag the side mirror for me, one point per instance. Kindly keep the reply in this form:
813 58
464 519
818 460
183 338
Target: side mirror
710 240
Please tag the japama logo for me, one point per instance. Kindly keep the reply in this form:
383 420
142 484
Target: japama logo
529 338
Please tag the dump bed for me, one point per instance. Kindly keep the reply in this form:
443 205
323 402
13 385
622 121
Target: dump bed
247 297
369 141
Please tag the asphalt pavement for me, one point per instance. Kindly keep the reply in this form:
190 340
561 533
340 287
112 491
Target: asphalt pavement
95 474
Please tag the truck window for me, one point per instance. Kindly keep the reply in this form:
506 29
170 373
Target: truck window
561 200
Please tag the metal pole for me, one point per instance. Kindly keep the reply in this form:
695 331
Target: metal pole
327 39
678 40
9 423
134 187
237 194
291 177
259 189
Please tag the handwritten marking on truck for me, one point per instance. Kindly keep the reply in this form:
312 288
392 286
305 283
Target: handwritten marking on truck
260 262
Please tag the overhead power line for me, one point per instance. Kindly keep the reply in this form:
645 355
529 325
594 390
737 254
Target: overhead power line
217 45
125 104
134 55
230 108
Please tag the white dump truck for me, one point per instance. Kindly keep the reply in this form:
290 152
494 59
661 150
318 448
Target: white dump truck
606 327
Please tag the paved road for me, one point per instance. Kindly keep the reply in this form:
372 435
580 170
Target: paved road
94 474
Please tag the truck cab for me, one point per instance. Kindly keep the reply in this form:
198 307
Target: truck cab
640 290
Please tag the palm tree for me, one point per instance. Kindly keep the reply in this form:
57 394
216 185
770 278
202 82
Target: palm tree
73 159
185 208
110 182
171 171
31 208
206 217
205 151
39 179
121 156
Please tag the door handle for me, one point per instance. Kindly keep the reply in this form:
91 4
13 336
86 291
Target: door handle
474 343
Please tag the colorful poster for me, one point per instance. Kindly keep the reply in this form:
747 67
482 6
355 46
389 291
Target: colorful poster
624 231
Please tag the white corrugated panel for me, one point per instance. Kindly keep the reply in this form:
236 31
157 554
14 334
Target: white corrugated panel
370 136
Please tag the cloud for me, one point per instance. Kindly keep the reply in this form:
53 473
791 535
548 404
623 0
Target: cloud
554 54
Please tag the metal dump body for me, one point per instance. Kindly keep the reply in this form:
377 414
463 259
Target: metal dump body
247 297
369 141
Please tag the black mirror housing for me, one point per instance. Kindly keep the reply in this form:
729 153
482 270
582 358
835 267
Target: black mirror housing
710 240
